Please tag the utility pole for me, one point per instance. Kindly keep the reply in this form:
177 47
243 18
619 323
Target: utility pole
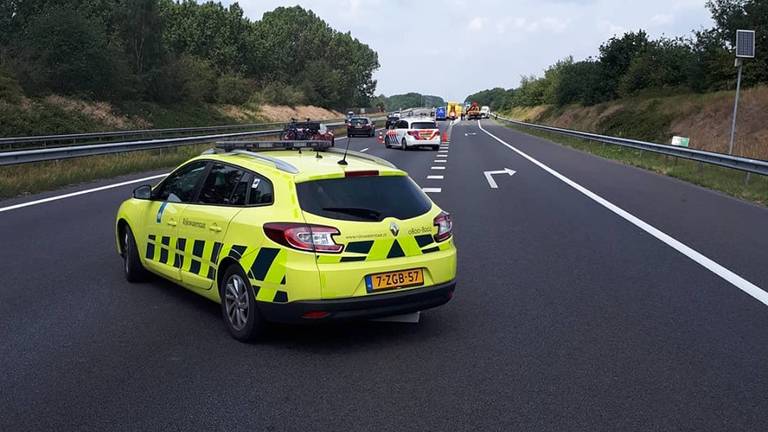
745 48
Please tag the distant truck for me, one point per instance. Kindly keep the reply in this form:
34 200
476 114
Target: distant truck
454 110
485 111
440 113
473 112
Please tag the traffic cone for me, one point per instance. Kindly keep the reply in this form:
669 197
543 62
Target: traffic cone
445 137
380 137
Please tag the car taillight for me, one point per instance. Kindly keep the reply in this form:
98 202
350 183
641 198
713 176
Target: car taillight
304 237
444 225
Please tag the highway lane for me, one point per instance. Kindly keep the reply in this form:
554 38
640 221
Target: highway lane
566 318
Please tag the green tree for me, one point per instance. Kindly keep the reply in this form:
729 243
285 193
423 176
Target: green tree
616 56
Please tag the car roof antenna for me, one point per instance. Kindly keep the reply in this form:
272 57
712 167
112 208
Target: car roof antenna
343 160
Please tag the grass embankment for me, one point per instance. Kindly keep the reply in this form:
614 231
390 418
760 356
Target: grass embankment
725 180
704 118
59 115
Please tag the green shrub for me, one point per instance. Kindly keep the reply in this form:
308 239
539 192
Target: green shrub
234 89
10 91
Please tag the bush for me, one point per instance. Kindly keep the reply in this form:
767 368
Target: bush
10 91
199 79
234 89
283 94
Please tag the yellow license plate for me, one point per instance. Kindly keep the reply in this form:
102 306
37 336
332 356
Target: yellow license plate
392 280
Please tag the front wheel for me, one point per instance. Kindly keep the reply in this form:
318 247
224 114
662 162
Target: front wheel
238 306
132 267
404 145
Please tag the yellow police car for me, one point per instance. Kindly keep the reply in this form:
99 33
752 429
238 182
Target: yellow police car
291 232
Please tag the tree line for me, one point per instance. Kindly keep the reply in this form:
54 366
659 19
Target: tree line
634 64
168 51
407 100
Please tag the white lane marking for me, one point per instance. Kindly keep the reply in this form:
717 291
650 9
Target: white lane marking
758 293
364 150
440 161
491 181
438 168
441 155
82 192
442 151
435 177
431 190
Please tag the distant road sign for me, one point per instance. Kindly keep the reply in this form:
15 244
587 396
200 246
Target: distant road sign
680 141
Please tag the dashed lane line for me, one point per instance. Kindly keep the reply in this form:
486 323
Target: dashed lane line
431 190
438 168
435 177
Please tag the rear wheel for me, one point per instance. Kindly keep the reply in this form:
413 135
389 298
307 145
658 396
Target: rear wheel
132 267
238 306
436 148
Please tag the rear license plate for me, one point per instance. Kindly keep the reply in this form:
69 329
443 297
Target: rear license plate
392 280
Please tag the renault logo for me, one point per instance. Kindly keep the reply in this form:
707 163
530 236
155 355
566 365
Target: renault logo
394 229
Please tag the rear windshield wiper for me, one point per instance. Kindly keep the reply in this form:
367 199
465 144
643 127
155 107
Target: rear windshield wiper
355 211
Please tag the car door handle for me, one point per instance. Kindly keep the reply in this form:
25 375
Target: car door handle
171 222
215 228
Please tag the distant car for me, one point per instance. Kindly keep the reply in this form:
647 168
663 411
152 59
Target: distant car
391 120
361 126
485 111
413 132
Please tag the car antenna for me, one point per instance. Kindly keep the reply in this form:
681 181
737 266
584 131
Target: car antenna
343 160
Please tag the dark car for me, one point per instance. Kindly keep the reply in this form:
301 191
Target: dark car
361 126
391 120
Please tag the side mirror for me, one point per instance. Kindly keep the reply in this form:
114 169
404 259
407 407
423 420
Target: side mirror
143 192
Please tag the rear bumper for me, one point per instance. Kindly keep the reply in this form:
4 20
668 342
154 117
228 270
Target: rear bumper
371 306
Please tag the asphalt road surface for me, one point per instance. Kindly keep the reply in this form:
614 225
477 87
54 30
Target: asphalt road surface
567 315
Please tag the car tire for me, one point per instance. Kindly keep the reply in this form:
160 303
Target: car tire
436 148
238 306
404 145
132 267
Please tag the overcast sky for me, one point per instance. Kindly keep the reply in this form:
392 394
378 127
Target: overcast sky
453 48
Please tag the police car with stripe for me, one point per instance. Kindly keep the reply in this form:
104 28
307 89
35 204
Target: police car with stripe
291 232
413 132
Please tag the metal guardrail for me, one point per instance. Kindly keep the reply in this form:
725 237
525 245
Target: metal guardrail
18 157
734 162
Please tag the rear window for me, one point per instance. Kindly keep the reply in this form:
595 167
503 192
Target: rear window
423 125
363 198
362 121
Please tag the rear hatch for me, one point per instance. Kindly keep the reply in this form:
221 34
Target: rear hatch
427 130
386 227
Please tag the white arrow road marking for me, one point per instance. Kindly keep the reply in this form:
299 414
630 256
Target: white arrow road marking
491 181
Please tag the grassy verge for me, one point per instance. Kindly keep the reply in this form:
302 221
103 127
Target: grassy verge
721 179
43 176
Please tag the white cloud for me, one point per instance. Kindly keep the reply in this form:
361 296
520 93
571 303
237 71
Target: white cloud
476 24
